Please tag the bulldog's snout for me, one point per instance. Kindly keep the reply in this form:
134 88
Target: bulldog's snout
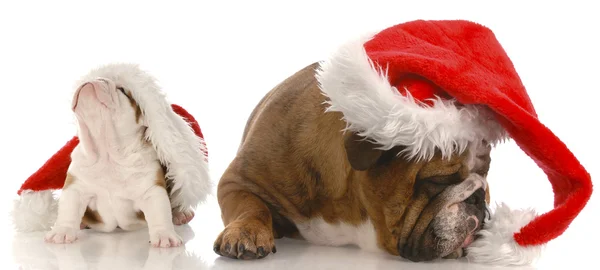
92 91
452 229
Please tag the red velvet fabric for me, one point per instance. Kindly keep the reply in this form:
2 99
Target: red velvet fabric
53 173
465 61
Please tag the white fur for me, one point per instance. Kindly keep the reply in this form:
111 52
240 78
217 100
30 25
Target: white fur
319 232
497 245
34 211
375 109
117 188
173 139
113 170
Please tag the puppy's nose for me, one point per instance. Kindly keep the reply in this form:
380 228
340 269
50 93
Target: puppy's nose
95 90
85 91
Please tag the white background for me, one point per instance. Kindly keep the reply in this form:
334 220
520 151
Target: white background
218 58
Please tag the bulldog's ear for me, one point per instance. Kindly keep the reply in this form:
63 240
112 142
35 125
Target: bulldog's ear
361 153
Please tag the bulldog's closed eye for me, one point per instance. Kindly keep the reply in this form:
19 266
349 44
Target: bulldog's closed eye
122 90
444 180
434 185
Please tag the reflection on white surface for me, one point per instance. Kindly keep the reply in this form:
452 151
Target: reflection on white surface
130 250
118 250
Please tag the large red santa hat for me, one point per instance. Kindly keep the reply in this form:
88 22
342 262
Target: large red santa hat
443 85
173 132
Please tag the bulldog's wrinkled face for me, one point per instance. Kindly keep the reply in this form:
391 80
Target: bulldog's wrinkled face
432 209
106 112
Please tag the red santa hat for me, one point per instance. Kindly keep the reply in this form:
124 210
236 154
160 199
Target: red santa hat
443 85
173 132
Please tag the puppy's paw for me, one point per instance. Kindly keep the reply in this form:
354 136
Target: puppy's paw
61 235
182 217
165 239
245 240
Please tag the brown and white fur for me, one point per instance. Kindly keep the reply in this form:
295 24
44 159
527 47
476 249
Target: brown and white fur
297 174
115 179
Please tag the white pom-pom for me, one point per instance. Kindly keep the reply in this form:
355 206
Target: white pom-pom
35 211
496 244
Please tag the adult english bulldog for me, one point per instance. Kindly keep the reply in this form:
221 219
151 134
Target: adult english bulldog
386 145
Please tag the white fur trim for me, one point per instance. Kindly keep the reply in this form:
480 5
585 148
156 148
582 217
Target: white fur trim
34 211
376 110
497 245
173 139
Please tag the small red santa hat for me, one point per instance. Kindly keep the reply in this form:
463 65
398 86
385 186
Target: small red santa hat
174 133
443 85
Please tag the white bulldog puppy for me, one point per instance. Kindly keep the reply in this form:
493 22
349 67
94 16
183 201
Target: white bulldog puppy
139 161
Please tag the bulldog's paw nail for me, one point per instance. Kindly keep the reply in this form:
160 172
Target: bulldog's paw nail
248 255
245 240
261 252
217 249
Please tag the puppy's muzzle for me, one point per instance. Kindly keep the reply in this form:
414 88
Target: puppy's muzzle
96 90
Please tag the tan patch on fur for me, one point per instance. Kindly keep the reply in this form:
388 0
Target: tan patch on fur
91 217
145 140
135 106
70 179
160 179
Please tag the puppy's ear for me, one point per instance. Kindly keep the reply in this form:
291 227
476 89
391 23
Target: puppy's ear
361 153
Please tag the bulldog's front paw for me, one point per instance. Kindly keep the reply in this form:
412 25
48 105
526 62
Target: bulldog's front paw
61 235
182 217
245 240
165 239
